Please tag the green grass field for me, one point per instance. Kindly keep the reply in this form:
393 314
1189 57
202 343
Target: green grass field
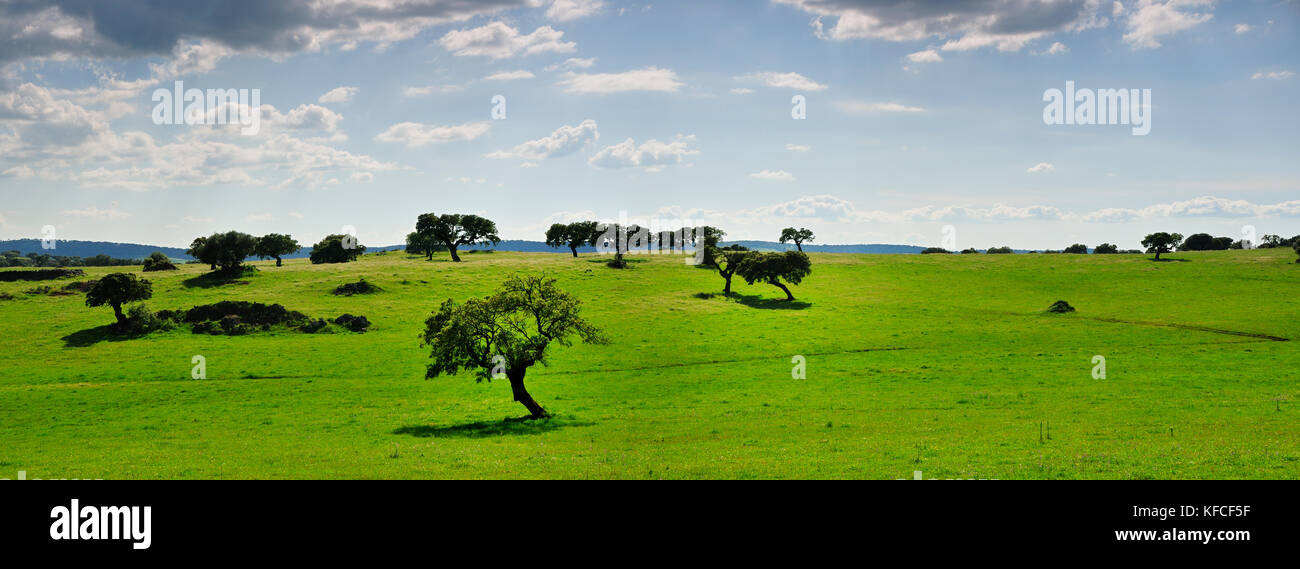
943 364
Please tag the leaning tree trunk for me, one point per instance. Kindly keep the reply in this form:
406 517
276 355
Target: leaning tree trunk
575 251
117 311
726 290
799 246
522 396
778 284
1157 254
277 262
454 256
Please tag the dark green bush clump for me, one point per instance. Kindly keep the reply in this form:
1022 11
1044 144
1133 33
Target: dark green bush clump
353 323
359 287
158 262
935 250
1060 307
253 313
39 275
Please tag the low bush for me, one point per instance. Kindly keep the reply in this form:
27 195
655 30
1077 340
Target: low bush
39 274
359 287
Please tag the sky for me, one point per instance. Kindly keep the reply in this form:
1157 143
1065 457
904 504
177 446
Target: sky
868 122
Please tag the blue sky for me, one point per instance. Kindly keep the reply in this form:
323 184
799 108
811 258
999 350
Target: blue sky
919 115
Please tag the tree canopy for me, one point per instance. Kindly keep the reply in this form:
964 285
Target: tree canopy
117 289
726 260
1105 249
422 244
1161 242
157 261
455 230
573 235
772 268
223 251
274 245
1076 249
797 235
336 249
507 331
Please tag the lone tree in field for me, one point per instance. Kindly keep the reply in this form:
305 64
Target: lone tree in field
118 289
1161 242
797 235
1076 249
273 245
1296 246
726 260
455 230
573 235
336 249
772 268
506 332
223 251
422 244
1105 249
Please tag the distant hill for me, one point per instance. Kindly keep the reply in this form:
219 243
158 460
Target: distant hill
137 251
91 248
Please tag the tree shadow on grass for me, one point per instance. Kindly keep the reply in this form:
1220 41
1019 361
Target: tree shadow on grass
1169 260
484 429
92 336
756 301
219 278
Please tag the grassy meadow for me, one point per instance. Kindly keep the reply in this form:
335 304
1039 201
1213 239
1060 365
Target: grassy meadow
946 364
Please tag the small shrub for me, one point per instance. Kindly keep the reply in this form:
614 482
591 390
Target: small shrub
80 286
141 320
1060 307
999 251
936 251
359 287
314 326
353 323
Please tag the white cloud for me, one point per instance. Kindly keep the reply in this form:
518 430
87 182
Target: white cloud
1005 25
562 142
1056 48
927 56
430 89
1242 29
338 95
573 63
94 212
1204 206
863 107
1154 19
778 175
20 171
790 80
648 79
569 10
741 91
414 134
509 75
1042 167
498 40
651 155
1274 75
797 148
